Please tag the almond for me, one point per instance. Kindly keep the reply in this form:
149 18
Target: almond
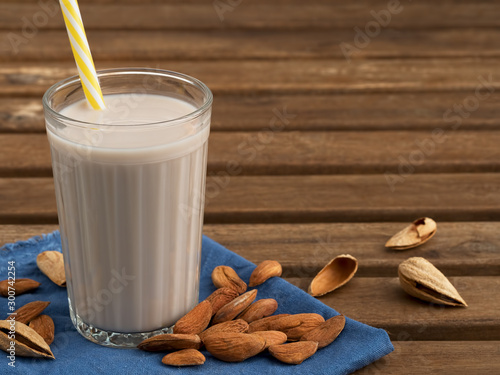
326 332
28 342
294 353
237 326
44 326
31 310
264 271
225 276
234 347
195 321
272 337
186 357
169 342
264 323
19 286
235 307
295 326
51 263
260 309
221 297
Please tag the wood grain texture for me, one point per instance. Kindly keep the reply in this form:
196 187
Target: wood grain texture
305 153
381 302
255 44
258 14
458 249
278 199
444 358
14 233
306 76
357 111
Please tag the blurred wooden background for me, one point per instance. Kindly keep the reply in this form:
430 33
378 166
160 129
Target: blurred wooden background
328 154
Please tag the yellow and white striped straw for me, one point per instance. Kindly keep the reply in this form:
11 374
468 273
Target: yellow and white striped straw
81 52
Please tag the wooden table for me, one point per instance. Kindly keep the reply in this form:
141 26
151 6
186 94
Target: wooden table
328 156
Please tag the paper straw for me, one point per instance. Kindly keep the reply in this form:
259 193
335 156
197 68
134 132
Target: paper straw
81 52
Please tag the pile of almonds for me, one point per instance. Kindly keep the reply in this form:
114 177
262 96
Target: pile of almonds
33 332
233 326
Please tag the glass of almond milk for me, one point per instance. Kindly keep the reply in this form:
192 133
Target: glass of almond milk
130 185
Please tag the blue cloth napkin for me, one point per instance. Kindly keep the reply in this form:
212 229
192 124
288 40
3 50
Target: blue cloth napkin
357 346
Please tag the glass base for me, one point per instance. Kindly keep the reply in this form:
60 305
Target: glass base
112 339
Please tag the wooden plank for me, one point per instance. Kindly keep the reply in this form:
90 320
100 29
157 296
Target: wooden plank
279 153
458 249
305 153
306 76
381 302
221 45
342 198
14 233
257 14
432 357
359 111
25 155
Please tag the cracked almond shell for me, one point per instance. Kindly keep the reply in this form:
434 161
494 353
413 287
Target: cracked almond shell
421 279
336 273
28 342
415 234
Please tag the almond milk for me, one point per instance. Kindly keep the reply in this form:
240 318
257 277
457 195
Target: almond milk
130 203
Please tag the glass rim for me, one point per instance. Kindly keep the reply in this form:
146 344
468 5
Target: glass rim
51 91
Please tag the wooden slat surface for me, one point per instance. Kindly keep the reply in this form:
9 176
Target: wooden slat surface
284 153
431 357
376 111
257 14
381 302
221 45
369 299
303 249
252 199
307 76
322 176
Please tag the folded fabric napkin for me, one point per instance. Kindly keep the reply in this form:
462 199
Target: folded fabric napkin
357 346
